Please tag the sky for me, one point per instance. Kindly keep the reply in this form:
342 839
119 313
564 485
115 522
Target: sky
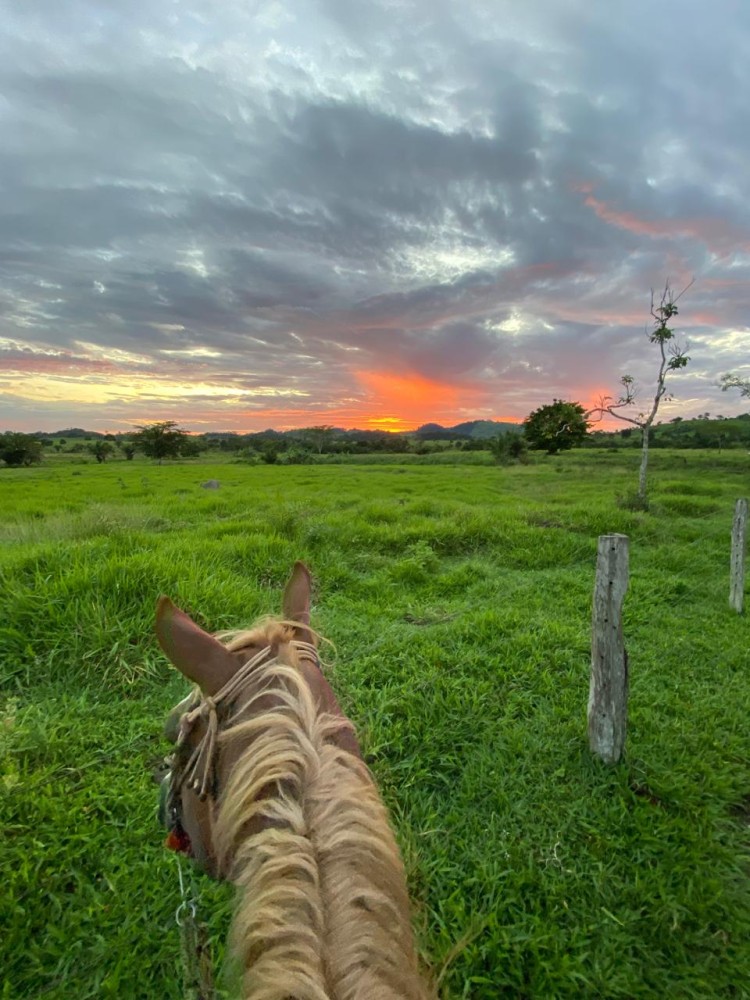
240 215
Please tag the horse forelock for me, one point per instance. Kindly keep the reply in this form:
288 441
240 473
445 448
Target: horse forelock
265 632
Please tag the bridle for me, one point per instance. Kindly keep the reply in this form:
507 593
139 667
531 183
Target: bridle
198 771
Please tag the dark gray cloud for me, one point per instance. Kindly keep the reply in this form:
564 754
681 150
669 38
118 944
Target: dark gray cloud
275 205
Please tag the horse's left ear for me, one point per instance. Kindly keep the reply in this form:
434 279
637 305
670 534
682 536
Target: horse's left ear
195 653
296 602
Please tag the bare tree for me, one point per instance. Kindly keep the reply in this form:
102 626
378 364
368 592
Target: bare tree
731 381
672 357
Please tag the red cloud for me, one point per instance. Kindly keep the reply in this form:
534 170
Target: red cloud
720 236
37 363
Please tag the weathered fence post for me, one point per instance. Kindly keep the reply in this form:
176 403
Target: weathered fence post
737 561
608 693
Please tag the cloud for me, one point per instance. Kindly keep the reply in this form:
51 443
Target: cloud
256 213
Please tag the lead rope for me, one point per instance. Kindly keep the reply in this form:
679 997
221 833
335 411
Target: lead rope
195 947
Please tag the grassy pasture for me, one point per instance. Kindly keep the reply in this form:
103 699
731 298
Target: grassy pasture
458 598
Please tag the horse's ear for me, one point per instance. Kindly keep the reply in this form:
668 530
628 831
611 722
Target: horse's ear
195 653
296 602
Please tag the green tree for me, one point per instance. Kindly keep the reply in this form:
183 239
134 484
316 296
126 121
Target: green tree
319 438
160 440
101 450
556 427
20 449
269 452
191 447
672 357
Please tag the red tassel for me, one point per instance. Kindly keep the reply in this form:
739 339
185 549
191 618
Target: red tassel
178 840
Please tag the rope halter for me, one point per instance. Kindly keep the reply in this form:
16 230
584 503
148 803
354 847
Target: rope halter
197 774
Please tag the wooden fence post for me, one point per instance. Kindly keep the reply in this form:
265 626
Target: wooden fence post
608 693
737 561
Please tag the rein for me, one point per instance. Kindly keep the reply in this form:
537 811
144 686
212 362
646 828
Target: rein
195 946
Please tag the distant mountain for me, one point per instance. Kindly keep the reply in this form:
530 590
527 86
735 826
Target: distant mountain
484 428
477 429
69 432
481 429
74 432
426 429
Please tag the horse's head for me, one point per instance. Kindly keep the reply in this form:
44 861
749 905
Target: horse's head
267 788
201 762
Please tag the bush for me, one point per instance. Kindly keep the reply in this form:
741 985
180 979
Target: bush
101 450
20 449
509 447
295 456
632 501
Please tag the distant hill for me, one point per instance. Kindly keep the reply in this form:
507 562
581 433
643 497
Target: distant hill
476 429
484 428
428 429
71 433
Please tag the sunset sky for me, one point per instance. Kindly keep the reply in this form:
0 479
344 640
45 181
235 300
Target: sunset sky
242 215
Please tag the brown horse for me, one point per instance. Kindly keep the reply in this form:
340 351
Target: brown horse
268 789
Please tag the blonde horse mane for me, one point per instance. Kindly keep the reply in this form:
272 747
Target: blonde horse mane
322 908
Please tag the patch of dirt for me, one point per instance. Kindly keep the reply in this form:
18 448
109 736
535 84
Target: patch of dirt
644 792
741 810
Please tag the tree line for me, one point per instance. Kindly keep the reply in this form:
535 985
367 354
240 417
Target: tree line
553 427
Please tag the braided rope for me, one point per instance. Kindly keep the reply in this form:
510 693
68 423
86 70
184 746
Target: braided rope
197 773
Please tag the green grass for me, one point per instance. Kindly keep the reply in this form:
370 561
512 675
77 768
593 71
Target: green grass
458 598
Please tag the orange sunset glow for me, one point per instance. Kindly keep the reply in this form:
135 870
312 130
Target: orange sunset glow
377 399
284 216
403 402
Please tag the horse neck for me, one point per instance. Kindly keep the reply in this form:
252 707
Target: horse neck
322 908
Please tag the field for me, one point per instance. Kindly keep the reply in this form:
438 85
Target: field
458 600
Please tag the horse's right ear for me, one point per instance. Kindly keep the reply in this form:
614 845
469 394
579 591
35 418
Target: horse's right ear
296 601
195 653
